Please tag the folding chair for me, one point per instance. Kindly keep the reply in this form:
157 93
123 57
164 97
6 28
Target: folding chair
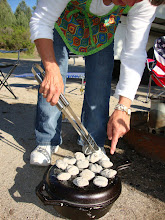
12 66
156 66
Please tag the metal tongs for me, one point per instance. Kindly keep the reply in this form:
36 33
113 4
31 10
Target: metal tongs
63 105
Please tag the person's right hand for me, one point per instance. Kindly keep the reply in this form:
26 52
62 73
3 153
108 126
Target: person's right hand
52 85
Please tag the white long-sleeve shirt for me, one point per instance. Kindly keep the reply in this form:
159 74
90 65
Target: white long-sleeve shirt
133 56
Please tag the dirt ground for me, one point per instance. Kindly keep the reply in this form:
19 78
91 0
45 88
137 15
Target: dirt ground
143 184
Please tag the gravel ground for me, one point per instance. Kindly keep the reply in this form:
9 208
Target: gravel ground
143 184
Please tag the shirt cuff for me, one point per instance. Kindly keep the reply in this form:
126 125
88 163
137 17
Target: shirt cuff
38 32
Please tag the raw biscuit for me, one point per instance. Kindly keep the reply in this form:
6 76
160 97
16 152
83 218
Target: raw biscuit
82 164
105 163
87 174
100 181
94 157
96 168
61 164
109 173
79 156
69 160
63 176
73 170
80 182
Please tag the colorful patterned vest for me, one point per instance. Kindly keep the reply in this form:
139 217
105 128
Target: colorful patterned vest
85 33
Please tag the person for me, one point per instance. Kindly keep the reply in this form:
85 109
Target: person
87 27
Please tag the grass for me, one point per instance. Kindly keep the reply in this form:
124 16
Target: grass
23 55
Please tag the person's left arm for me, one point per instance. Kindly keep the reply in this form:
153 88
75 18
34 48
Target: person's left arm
133 58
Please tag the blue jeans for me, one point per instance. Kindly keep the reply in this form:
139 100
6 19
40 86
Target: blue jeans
95 111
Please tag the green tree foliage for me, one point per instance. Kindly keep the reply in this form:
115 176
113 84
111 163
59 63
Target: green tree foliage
7 17
15 38
34 7
22 20
23 14
14 28
28 13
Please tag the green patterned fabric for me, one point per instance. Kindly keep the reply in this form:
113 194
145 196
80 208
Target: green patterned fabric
85 33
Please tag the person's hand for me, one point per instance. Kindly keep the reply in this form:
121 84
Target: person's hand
118 125
52 85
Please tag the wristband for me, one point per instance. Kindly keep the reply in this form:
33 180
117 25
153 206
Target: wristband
123 108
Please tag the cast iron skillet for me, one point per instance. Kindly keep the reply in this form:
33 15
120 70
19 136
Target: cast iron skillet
90 202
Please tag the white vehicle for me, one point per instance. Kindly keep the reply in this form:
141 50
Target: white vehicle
157 29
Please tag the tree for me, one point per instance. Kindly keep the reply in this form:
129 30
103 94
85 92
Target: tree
14 29
22 20
34 7
28 13
7 17
23 10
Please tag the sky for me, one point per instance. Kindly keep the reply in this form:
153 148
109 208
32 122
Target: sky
14 3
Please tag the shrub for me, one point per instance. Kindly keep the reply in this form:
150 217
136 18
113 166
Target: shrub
16 37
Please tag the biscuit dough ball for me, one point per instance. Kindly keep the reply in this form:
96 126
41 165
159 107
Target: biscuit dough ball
82 164
80 182
96 168
109 173
79 156
104 156
61 164
87 174
73 170
100 181
69 160
63 176
94 157
105 163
